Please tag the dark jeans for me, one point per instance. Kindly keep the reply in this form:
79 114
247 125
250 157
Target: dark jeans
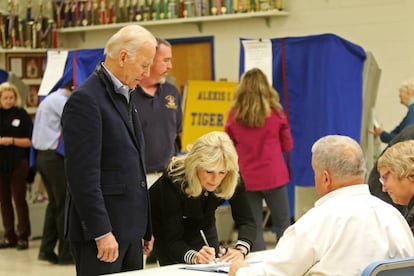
13 185
50 165
277 201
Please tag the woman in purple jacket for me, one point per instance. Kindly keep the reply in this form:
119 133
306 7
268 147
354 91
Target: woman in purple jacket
261 133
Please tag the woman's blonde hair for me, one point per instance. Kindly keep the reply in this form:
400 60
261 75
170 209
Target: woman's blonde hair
254 99
399 159
208 152
8 86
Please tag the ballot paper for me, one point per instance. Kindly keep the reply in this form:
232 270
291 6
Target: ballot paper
219 267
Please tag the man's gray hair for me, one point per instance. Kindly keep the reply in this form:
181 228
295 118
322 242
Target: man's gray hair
339 155
130 38
409 85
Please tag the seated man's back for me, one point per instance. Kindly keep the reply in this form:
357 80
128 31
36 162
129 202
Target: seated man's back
346 230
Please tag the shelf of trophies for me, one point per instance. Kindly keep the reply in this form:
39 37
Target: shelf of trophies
39 26
198 20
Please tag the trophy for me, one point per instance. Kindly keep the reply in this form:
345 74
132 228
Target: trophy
140 11
156 10
165 9
147 10
28 10
28 34
87 19
49 34
132 10
113 7
171 9
2 31
189 10
102 12
95 12
43 30
74 14
57 7
21 32
198 7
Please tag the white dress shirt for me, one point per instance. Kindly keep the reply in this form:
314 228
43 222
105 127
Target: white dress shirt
345 231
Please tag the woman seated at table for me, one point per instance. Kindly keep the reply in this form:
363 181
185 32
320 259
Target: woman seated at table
185 198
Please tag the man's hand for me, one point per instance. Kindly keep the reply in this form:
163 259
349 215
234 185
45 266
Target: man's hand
147 246
107 248
376 131
235 266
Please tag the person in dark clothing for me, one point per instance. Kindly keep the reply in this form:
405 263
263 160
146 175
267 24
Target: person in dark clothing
185 198
374 183
396 169
406 94
15 139
107 214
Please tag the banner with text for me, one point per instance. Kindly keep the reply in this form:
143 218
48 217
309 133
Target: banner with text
206 107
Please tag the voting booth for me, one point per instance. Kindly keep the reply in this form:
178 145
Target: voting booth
327 85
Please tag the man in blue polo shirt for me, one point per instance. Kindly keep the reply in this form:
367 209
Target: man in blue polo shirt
159 107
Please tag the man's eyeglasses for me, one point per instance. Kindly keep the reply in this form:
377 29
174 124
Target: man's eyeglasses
384 177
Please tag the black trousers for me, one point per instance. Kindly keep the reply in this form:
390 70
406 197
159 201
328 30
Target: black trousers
87 264
50 165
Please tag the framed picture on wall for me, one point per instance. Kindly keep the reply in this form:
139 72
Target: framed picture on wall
16 66
32 68
32 99
26 65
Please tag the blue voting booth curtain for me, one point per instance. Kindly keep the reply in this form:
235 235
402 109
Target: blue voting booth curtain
4 75
79 65
320 81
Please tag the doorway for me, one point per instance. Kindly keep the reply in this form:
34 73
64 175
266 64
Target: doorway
193 59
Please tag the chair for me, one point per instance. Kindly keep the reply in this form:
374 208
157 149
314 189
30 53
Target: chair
391 267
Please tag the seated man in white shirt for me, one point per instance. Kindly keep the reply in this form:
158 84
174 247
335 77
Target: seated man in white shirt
346 230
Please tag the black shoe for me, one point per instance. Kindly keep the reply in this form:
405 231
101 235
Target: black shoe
22 245
6 244
151 259
50 257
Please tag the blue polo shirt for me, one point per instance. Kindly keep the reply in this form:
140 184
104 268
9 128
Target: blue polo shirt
161 120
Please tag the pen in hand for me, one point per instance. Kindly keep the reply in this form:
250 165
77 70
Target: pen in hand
206 243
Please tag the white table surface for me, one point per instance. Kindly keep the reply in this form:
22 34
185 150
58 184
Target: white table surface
176 269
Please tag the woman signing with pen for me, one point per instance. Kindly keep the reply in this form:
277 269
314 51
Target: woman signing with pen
185 198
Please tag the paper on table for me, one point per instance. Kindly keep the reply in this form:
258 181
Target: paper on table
219 267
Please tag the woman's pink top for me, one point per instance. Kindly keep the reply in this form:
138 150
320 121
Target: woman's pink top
261 161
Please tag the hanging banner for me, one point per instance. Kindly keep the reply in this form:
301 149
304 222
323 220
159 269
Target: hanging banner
206 105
